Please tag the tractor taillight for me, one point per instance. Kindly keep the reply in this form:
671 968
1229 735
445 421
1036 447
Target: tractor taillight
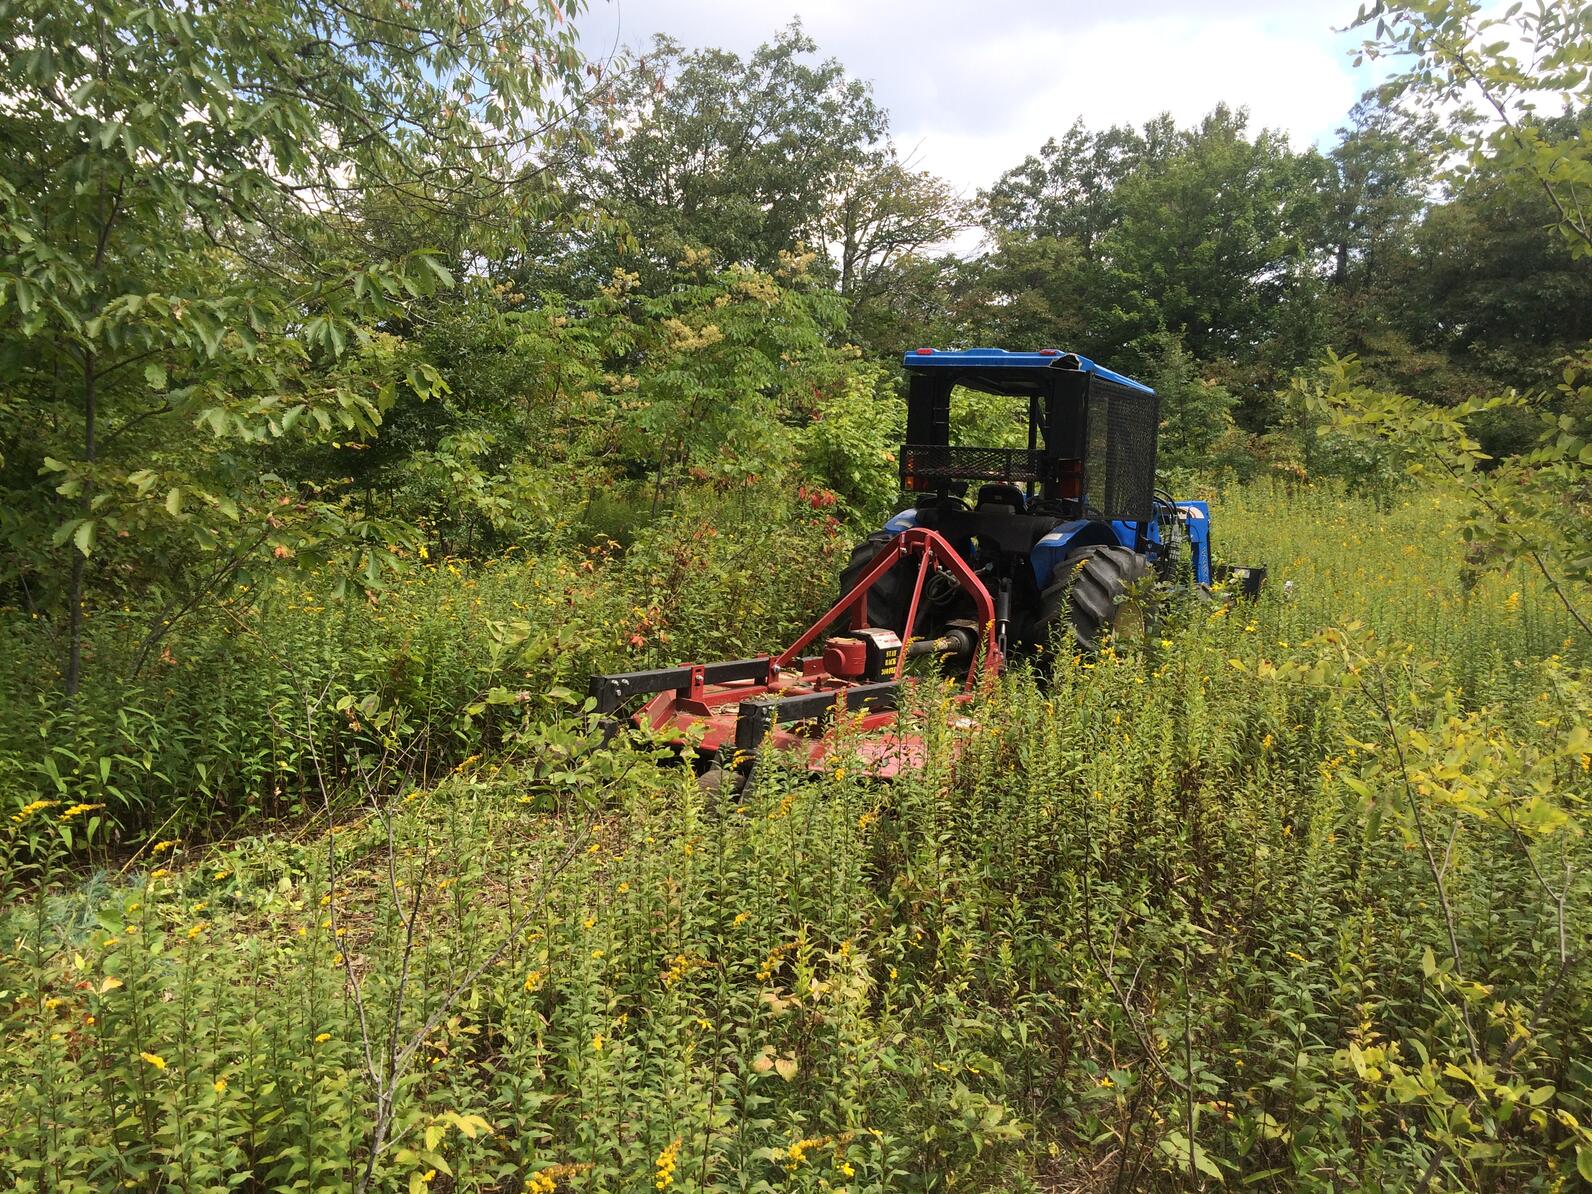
925 352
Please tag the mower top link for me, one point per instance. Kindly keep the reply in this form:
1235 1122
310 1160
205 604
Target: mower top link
1059 545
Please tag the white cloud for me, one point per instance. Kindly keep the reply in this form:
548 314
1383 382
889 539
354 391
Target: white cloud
979 87
1038 84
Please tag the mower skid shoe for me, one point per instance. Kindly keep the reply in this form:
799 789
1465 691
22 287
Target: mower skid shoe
1245 579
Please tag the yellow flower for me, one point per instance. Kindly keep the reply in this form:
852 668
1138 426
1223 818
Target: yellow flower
154 1059
740 919
666 1164
624 889
220 1084
162 847
533 980
597 1043
27 810
322 1037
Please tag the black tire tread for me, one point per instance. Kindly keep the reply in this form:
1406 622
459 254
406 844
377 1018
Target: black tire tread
888 598
1084 593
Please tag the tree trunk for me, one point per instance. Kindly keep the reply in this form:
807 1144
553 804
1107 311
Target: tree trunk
74 597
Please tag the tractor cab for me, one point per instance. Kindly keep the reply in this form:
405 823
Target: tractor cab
1090 433
1076 505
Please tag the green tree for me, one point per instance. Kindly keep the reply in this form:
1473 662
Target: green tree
1223 233
1068 190
1379 172
883 227
1196 411
1500 73
1485 274
187 272
1043 291
1478 296
1211 234
705 149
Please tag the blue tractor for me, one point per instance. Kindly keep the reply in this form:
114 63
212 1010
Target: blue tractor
1069 533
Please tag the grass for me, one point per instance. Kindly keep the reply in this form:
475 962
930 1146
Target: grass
1292 897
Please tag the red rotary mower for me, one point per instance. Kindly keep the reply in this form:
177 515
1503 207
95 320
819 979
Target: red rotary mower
789 701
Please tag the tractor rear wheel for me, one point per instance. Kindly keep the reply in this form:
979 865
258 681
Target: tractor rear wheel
887 600
1095 592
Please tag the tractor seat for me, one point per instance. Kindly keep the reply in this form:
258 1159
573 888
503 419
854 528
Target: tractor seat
1000 499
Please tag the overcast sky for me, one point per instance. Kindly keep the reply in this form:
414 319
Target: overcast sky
972 88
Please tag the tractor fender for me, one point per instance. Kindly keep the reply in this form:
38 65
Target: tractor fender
902 521
1068 537
906 519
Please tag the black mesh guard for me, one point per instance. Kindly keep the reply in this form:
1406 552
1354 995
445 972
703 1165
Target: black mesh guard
1119 471
938 463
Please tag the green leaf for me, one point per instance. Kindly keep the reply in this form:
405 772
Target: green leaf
155 375
84 536
174 502
441 271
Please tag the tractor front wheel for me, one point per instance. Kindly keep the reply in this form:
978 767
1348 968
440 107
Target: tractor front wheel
1096 592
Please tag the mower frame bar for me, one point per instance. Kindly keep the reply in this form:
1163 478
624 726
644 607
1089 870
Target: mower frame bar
612 691
757 717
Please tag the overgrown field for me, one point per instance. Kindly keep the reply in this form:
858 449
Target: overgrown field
1292 895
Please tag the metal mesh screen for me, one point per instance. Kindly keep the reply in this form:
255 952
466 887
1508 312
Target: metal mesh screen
932 462
1119 471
